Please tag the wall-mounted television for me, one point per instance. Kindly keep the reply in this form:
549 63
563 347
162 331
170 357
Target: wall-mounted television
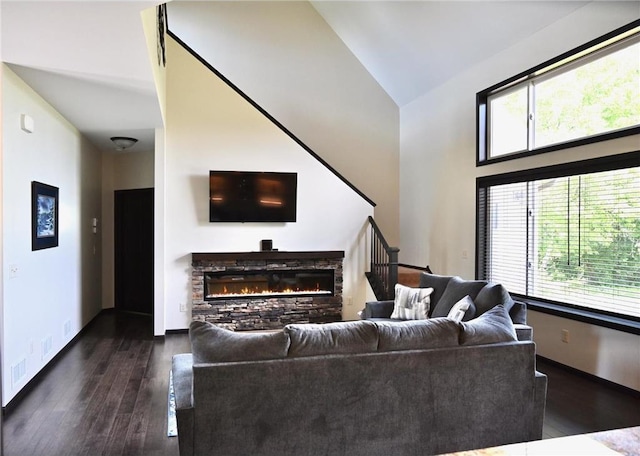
248 196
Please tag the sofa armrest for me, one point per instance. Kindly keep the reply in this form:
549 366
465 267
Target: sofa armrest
182 370
540 400
518 312
377 309
523 332
182 375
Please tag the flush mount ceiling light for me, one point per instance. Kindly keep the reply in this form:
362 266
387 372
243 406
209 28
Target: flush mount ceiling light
122 142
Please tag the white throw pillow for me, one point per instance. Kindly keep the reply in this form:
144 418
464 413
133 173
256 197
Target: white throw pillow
411 303
460 308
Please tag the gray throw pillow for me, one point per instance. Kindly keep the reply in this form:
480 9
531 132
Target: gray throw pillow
417 334
212 344
457 289
491 327
332 338
492 295
437 282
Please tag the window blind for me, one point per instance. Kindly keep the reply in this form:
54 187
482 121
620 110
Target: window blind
572 239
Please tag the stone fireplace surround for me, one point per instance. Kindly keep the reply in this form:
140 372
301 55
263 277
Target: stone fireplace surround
269 312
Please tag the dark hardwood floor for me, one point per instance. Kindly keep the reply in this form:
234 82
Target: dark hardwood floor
578 404
107 395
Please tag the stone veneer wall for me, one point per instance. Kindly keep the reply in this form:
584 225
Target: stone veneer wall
249 313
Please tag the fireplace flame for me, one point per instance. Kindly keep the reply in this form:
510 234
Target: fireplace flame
259 284
257 291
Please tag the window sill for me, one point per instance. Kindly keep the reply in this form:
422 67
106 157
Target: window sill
583 315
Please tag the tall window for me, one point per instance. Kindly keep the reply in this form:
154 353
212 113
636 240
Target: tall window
565 236
588 95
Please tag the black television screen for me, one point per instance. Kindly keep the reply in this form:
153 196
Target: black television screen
247 196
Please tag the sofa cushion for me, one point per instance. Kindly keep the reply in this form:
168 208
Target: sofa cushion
212 344
437 282
492 295
457 289
417 334
411 303
332 338
462 310
491 327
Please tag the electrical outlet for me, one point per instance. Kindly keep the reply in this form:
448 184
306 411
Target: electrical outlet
13 271
565 336
183 307
465 255
349 301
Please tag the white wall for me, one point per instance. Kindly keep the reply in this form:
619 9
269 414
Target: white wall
149 19
125 170
285 57
56 286
209 126
159 214
610 354
438 172
1 231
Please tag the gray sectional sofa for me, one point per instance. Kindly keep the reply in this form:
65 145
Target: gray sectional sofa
359 388
447 290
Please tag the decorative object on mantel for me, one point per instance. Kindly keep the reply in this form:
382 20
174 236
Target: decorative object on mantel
123 142
44 216
266 245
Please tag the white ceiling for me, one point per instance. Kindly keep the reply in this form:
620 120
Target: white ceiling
413 46
98 78
102 83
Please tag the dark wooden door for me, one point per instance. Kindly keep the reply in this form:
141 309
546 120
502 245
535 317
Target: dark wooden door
133 235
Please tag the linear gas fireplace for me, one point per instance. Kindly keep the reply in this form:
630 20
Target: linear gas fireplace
245 284
266 290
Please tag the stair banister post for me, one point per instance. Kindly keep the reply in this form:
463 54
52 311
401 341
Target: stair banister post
393 271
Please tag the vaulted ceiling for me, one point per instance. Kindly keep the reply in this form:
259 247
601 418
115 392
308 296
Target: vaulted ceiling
89 59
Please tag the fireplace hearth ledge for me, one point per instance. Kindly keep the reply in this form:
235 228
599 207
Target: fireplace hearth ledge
268 255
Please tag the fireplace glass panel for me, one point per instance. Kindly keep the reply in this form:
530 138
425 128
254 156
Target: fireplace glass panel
225 285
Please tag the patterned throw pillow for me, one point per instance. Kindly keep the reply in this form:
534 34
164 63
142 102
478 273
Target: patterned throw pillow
464 309
411 303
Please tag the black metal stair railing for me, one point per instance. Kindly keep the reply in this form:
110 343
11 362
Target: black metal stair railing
383 273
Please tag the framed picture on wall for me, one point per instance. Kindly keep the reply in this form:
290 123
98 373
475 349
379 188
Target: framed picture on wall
44 216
